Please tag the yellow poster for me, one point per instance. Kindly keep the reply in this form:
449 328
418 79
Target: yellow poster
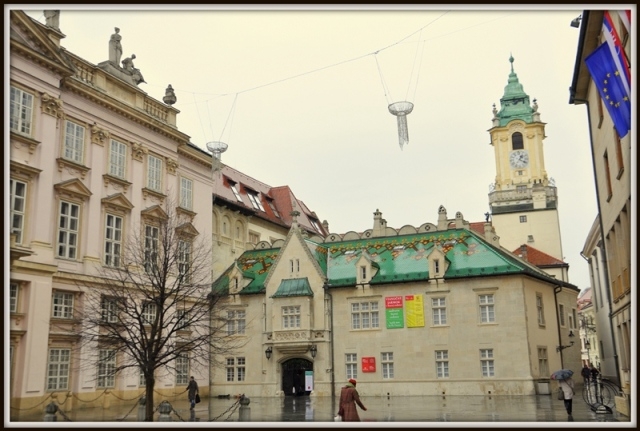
415 311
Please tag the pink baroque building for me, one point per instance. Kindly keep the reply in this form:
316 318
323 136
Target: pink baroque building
93 158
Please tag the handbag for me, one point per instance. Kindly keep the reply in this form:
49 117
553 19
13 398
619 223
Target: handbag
561 394
197 398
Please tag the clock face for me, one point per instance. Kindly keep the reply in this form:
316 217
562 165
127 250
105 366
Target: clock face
519 159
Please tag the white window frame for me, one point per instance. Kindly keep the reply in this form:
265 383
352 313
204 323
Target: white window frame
540 309
236 322
106 368
182 369
14 293
62 305
351 365
543 362
73 142
254 197
141 380
365 315
487 363
290 317
184 260
18 208
386 360
68 230
442 364
117 159
183 314
439 311
241 371
148 312
561 313
113 239
154 173
235 191
151 238
231 369
21 111
486 302
109 309
186 193
58 366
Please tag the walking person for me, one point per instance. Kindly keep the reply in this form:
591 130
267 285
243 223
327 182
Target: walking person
192 387
349 397
567 386
586 373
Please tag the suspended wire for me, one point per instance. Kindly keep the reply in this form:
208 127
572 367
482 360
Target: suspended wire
413 69
384 84
415 89
210 122
199 116
230 116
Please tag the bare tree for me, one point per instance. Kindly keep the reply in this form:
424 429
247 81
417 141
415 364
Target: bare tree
150 307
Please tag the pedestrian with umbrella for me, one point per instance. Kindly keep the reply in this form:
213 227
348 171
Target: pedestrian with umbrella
567 387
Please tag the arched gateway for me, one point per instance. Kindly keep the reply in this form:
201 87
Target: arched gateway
293 376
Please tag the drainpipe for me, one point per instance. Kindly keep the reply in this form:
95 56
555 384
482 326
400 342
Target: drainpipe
557 289
333 379
605 265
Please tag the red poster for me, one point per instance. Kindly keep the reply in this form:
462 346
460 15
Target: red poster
369 364
393 301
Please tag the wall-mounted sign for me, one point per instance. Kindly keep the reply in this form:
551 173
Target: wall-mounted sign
369 364
394 313
415 311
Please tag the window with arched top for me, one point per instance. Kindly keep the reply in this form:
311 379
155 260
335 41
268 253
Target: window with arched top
516 141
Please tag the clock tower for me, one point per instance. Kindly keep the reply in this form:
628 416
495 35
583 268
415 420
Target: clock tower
523 199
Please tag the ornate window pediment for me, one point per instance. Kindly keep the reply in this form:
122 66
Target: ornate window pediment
73 188
117 203
72 167
187 230
154 213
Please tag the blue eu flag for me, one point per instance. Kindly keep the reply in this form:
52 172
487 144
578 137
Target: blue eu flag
608 80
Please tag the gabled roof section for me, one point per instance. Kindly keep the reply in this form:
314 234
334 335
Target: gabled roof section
293 287
537 257
399 259
275 203
29 37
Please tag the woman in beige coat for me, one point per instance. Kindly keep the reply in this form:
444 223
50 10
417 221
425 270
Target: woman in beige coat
567 387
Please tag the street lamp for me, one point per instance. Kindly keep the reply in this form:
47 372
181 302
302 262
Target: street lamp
587 345
268 352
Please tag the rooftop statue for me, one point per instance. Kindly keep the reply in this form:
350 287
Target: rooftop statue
115 47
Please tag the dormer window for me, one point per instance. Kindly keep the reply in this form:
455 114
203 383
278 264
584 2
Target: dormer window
254 197
315 225
273 208
234 189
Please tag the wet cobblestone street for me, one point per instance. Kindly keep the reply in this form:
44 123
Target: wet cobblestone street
449 410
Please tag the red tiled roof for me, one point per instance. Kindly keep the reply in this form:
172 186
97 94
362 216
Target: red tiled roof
477 227
282 198
536 257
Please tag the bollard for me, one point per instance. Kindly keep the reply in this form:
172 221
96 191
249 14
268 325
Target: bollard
50 412
164 408
142 409
245 410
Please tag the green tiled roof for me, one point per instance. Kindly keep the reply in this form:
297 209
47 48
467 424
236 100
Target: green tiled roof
398 259
293 287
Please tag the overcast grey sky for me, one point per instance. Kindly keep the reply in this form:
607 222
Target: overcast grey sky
301 96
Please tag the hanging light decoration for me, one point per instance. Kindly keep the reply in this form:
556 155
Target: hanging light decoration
401 110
